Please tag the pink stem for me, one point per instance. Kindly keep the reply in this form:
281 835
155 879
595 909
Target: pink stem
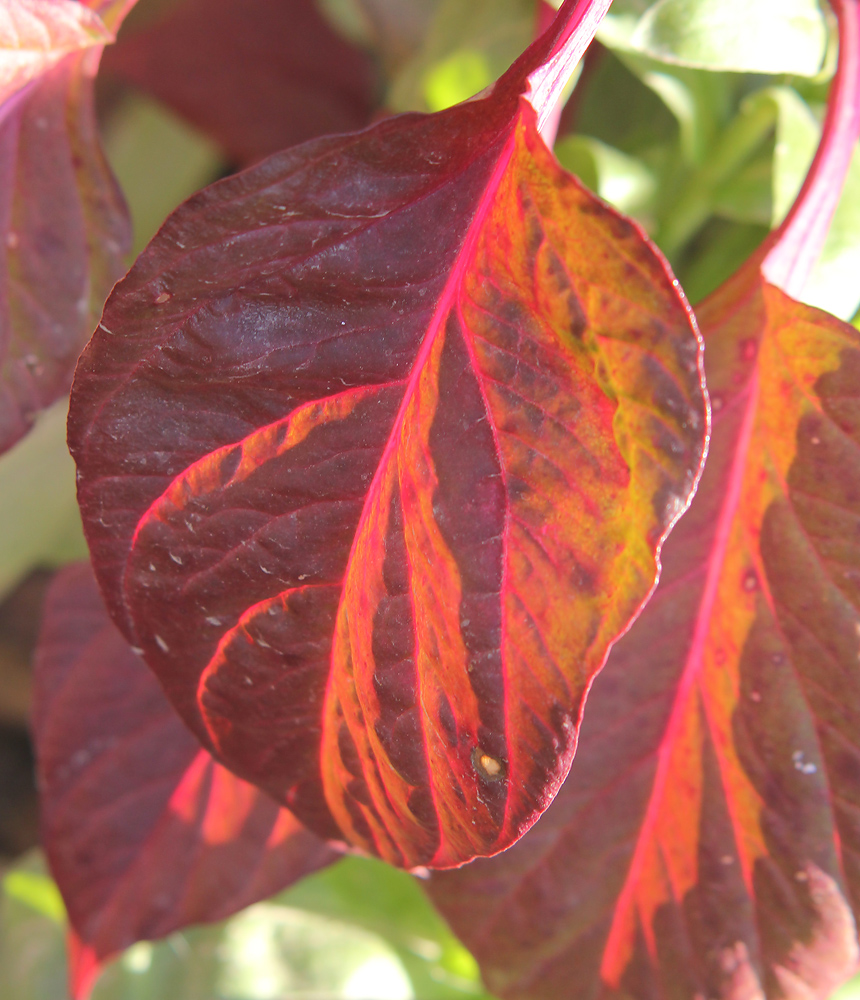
575 25
792 250
545 15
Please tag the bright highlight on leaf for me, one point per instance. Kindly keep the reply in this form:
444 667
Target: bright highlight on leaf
377 446
36 34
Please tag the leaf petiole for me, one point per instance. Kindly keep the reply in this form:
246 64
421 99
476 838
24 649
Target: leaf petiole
791 250
569 36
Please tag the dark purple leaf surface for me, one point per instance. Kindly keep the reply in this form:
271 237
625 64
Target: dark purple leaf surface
144 832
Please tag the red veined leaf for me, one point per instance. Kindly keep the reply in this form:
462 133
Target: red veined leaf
256 75
377 443
707 842
144 832
63 223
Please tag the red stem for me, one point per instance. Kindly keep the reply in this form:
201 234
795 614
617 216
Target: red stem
544 17
792 250
574 26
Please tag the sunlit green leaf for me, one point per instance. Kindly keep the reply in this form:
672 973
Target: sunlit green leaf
850 991
390 903
492 31
352 932
765 36
274 951
833 284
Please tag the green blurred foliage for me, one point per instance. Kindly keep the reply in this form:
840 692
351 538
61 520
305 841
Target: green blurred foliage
466 47
38 510
358 930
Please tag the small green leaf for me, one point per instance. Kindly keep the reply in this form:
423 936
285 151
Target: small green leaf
765 36
462 75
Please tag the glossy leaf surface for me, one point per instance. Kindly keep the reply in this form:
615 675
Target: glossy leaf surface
145 833
706 841
63 223
256 75
377 443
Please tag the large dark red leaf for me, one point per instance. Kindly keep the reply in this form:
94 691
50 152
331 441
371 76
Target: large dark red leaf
377 443
256 75
707 840
144 832
63 223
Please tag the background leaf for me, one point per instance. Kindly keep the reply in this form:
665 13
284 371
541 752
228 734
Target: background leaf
706 840
144 832
392 29
291 76
463 50
768 36
63 234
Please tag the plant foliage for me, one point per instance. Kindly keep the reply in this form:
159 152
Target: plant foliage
378 444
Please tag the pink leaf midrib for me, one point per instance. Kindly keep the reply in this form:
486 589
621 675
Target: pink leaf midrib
445 305
689 677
